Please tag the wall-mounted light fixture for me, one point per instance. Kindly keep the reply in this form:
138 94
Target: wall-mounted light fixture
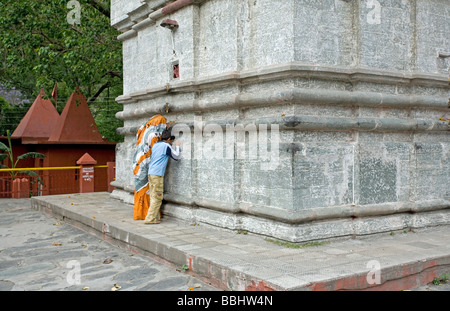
169 24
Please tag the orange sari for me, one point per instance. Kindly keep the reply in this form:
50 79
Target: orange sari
147 135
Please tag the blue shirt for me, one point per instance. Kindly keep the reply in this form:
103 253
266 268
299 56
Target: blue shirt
161 151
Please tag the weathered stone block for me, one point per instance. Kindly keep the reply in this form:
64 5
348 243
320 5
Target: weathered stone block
315 119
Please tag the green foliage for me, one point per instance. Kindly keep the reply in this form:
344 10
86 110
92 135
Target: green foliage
294 245
10 115
8 153
104 114
443 279
38 47
30 155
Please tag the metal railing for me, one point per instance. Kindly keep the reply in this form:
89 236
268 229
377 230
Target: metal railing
50 180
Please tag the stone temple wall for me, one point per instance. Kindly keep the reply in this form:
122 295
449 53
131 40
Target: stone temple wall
300 119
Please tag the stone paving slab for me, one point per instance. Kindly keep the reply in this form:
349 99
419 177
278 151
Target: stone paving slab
234 261
41 253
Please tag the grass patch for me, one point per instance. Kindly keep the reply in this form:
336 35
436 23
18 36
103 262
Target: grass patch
443 279
294 245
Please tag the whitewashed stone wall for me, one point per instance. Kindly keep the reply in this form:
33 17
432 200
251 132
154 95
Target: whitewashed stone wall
357 89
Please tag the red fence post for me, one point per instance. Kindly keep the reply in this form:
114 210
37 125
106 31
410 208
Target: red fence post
20 188
15 188
111 174
25 188
86 173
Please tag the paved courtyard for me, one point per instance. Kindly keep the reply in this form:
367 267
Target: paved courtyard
38 252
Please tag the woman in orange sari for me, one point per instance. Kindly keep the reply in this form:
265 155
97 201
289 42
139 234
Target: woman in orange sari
147 135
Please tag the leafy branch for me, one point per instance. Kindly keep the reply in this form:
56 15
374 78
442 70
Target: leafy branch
39 48
9 154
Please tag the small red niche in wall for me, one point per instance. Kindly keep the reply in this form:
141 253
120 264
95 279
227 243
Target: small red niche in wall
175 71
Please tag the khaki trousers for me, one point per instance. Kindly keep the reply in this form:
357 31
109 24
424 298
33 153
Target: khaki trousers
156 189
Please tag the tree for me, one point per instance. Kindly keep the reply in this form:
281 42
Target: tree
10 115
39 47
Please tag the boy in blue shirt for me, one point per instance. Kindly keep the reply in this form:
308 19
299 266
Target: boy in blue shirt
161 151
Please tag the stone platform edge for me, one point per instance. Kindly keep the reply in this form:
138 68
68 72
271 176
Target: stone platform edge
207 270
395 277
333 224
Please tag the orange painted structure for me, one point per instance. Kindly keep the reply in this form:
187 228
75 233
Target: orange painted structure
63 139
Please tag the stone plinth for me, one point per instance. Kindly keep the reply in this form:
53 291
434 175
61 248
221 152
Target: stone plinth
300 120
